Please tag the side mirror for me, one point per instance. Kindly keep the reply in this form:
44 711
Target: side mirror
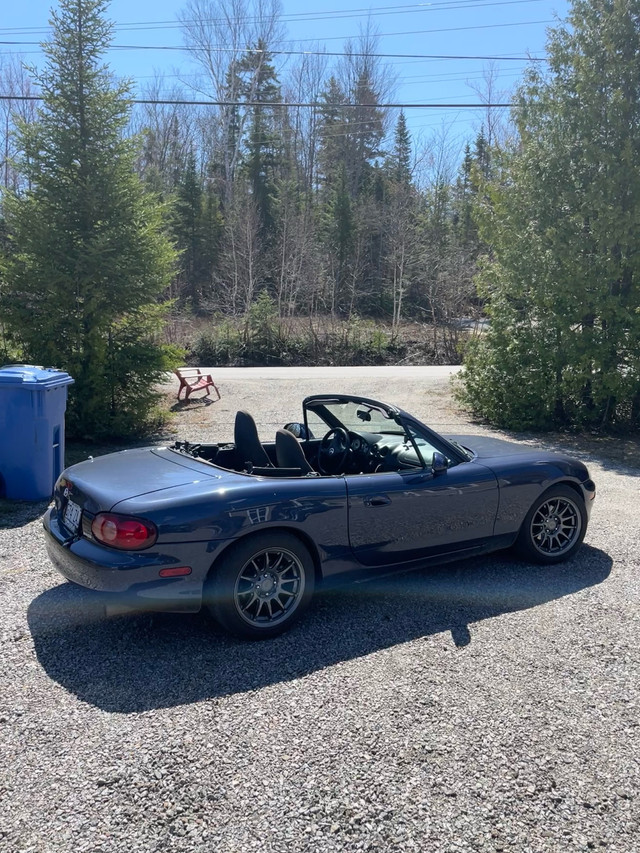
439 463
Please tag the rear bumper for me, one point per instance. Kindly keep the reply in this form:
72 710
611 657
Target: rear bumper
125 581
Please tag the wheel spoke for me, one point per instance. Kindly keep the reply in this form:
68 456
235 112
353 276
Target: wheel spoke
287 593
274 567
250 572
289 574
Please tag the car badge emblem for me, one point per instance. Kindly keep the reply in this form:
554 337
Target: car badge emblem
67 490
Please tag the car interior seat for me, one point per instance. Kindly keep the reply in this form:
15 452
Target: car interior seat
289 453
249 450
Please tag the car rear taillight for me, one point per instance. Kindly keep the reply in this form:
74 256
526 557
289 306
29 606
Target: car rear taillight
123 531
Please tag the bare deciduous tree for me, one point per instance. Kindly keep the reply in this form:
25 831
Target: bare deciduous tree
218 34
168 132
494 123
14 80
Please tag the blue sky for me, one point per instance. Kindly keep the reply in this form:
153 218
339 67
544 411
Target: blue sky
500 28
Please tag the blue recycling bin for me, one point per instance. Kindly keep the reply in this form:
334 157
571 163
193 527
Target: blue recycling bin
33 401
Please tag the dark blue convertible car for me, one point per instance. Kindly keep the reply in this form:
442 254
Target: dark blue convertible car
249 529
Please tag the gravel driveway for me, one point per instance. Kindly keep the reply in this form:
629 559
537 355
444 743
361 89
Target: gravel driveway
482 706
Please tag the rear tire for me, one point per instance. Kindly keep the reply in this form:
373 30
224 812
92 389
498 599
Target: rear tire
554 527
261 586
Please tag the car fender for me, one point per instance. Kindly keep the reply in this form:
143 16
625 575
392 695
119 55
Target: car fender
521 483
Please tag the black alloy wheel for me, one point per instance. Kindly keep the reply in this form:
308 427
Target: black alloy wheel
261 586
554 526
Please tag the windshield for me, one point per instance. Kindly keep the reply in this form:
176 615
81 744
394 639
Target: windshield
357 417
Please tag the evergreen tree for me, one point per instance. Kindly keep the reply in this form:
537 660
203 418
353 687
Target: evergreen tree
482 155
89 258
196 229
231 125
400 215
366 132
262 156
333 133
464 195
401 157
339 233
564 280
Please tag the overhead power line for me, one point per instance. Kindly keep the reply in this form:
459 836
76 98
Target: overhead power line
216 49
320 104
442 30
224 49
300 17
271 104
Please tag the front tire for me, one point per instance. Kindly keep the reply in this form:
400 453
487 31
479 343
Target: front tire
554 527
261 587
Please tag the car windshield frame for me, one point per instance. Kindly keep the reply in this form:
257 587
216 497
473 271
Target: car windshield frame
362 415
404 423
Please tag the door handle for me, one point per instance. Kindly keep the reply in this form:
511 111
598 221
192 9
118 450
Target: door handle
377 500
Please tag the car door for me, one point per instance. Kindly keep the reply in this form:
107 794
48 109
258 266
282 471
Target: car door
399 516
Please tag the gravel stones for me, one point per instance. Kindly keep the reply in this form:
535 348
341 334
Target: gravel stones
482 706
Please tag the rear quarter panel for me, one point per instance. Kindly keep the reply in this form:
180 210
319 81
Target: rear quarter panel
314 507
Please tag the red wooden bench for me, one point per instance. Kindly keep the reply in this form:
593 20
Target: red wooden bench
193 379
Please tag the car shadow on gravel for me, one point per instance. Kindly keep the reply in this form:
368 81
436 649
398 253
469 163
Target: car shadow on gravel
138 663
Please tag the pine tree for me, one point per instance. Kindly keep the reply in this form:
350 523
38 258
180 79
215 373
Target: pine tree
401 158
563 224
89 258
333 133
400 213
339 233
366 132
196 230
482 155
464 195
263 142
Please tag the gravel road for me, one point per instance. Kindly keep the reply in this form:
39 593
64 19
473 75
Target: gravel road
482 706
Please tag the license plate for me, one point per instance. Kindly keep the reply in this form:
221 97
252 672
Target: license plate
71 517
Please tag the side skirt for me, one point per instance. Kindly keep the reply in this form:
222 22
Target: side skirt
363 574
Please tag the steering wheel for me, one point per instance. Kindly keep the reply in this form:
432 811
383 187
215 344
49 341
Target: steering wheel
333 451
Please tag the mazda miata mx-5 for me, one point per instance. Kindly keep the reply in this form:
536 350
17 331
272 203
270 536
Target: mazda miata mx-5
249 529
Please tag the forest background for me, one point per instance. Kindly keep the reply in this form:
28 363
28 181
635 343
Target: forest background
283 213
326 234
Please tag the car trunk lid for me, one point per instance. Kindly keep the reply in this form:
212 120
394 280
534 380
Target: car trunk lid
96 485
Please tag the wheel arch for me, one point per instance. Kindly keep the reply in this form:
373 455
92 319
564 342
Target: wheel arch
303 538
572 485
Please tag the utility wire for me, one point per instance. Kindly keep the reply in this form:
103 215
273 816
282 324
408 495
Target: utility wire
216 49
295 17
411 80
221 49
441 30
271 104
